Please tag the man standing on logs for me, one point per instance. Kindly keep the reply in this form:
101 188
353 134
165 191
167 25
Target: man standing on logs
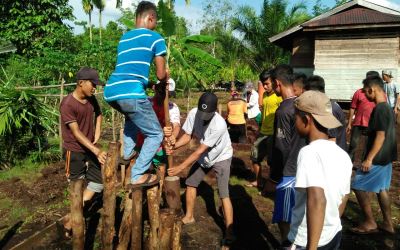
80 133
215 152
125 90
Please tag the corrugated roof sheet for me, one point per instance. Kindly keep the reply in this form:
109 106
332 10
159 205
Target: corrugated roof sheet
355 16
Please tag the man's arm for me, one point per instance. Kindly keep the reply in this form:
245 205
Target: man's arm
351 114
97 132
316 205
378 142
82 139
161 71
176 129
189 161
397 104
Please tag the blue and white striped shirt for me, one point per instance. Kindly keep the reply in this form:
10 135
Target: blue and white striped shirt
136 51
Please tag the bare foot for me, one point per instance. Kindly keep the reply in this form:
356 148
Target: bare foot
188 221
252 184
387 228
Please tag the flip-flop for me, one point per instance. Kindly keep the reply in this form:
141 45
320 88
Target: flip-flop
356 230
228 241
146 183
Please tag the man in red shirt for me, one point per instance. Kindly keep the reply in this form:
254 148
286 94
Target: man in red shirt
361 109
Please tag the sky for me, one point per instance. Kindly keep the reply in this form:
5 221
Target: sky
192 13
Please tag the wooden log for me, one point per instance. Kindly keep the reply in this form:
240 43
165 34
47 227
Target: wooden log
167 219
176 234
153 203
137 197
172 192
109 195
77 221
161 173
125 230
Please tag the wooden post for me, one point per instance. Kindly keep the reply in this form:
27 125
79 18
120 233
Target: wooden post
114 133
109 195
176 235
167 219
77 221
161 173
59 118
172 192
123 167
153 203
126 224
220 109
137 197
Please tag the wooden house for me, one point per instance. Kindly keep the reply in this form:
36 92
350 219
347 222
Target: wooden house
343 44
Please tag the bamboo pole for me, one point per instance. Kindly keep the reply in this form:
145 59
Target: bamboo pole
137 197
59 118
77 221
109 195
153 203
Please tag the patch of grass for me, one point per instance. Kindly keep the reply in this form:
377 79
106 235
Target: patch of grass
250 190
26 171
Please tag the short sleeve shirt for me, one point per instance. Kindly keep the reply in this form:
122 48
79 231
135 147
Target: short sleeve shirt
214 135
391 90
382 119
320 164
287 142
71 110
136 50
363 108
270 105
340 132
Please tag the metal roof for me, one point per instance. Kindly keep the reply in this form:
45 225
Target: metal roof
357 15
381 13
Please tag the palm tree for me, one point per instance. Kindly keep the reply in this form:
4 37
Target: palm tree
100 4
274 18
88 8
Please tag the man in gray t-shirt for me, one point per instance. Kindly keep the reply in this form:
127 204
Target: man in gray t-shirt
215 152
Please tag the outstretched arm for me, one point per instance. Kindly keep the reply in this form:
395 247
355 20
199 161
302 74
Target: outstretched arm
189 161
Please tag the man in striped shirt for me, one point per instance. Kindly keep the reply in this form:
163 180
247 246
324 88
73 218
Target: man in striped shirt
125 90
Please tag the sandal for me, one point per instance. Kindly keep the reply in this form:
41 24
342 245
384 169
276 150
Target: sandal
146 183
228 241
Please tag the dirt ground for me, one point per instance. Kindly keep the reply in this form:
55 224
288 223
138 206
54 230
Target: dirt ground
46 201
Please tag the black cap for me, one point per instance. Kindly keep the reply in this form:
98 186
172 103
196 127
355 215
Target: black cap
90 74
207 106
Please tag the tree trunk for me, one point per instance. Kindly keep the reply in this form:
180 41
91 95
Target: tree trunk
100 24
109 195
137 197
90 27
77 221
125 230
172 192
167 218
176 235
153 203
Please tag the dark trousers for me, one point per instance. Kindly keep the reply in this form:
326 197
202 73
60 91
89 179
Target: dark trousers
356 133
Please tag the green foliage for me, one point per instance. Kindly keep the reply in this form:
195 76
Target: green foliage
33 25
24 123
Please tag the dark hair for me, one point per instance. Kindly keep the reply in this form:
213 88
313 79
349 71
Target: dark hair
264 75
373 81
315 83
300 78
144 7
372 73
303 115
283 73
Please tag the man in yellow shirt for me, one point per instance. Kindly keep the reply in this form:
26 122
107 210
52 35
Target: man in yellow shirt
236 110
263 145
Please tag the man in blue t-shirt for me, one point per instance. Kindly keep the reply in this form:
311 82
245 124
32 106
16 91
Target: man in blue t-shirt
125 90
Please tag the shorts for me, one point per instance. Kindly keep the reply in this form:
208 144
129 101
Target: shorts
284 200
334 244
261 148
222 170
376 180
79 165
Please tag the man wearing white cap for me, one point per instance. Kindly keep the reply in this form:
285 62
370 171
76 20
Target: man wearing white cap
391 89
253 109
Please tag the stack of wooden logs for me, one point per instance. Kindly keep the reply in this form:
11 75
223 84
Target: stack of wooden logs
165 224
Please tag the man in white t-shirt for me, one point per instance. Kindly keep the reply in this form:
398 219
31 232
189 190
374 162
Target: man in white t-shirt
253 109
322 178
214 153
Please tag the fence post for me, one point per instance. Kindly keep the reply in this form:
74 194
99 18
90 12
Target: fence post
59 118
